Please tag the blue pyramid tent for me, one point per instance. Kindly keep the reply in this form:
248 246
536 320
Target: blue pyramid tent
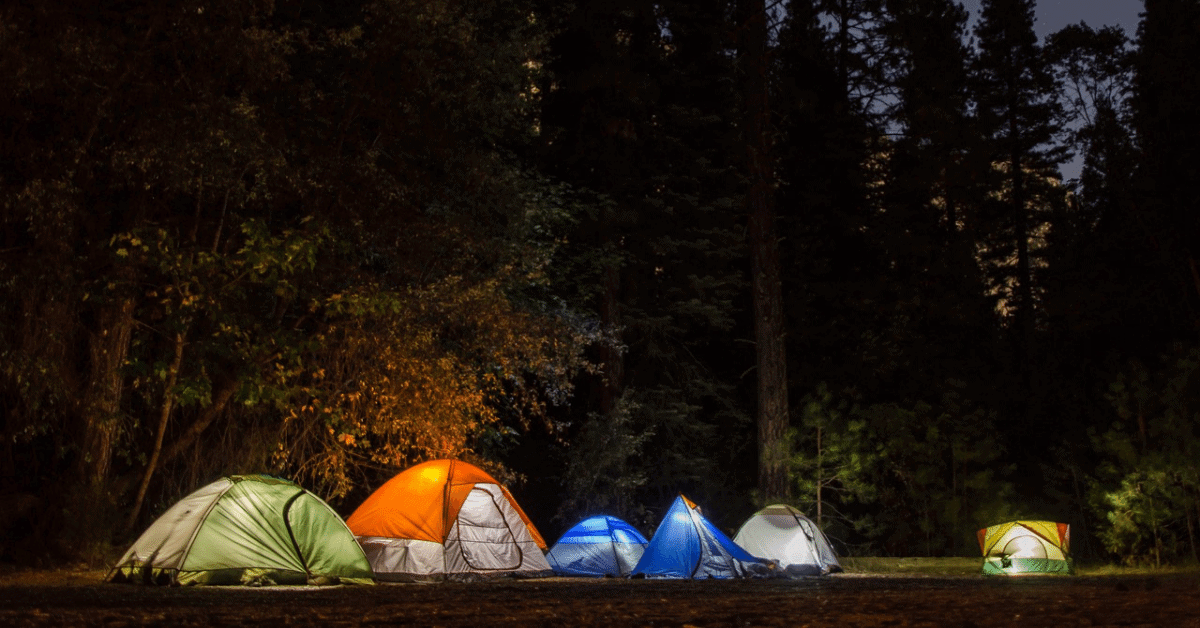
686 545
597 546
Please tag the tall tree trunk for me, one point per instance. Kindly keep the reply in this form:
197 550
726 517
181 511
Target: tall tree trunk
164 416
820 480
1024 297
108 348
764 252
1191 537
1191 532
221 398
843 42
612 359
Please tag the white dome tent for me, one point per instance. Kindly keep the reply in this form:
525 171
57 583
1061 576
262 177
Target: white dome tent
783 534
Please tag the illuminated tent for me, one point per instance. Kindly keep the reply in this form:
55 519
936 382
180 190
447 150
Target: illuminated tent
597 546
686 545
446 518
783 534
1026 547
246 529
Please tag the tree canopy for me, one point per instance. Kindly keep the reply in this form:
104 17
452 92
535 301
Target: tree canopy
820 251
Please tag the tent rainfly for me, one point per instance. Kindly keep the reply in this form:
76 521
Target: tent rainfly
783 534
687 545
1026 547
249 530
446 519
598 547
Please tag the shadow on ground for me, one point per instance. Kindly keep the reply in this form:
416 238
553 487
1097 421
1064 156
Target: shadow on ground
81 598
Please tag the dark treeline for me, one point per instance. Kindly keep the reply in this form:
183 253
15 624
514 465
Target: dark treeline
818 251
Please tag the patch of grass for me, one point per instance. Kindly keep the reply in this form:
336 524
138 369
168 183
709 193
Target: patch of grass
952 566
1121 570
11 576
958 566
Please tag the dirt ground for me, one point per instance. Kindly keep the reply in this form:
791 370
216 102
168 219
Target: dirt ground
80 598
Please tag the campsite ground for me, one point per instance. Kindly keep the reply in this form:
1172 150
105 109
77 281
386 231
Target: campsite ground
894 596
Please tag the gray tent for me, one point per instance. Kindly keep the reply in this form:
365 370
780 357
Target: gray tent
783 534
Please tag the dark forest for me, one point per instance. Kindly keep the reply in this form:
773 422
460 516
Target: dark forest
819 252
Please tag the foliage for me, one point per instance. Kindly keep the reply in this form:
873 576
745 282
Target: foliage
1164 102
1148 483
601 471
330 239
897 478
249 201
393 379
638 118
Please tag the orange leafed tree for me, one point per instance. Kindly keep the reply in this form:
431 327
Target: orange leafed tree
400 378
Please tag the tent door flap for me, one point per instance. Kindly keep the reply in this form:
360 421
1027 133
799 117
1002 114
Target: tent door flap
486 541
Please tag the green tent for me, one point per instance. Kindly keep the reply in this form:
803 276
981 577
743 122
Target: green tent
246 529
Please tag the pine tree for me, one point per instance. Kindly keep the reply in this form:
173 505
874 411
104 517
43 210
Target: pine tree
639 118
927 227
762 240
1166 113
824 145
1014 94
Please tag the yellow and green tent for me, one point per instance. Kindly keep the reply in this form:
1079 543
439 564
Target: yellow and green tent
1026 548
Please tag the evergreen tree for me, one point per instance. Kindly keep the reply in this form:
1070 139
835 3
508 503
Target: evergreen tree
828 153
762 241
1145 489
638 117
830 289
1095 70
1089 260
1014 95
1166 98
857 49
1147 493
901 478
928 222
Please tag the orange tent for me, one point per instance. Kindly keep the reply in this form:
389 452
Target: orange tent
445 517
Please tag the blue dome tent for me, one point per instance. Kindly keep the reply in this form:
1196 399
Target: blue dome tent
597 547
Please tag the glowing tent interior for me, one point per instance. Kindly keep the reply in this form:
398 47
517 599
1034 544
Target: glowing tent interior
1026 547
597 546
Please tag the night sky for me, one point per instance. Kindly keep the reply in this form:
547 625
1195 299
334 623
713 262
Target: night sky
1055 14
